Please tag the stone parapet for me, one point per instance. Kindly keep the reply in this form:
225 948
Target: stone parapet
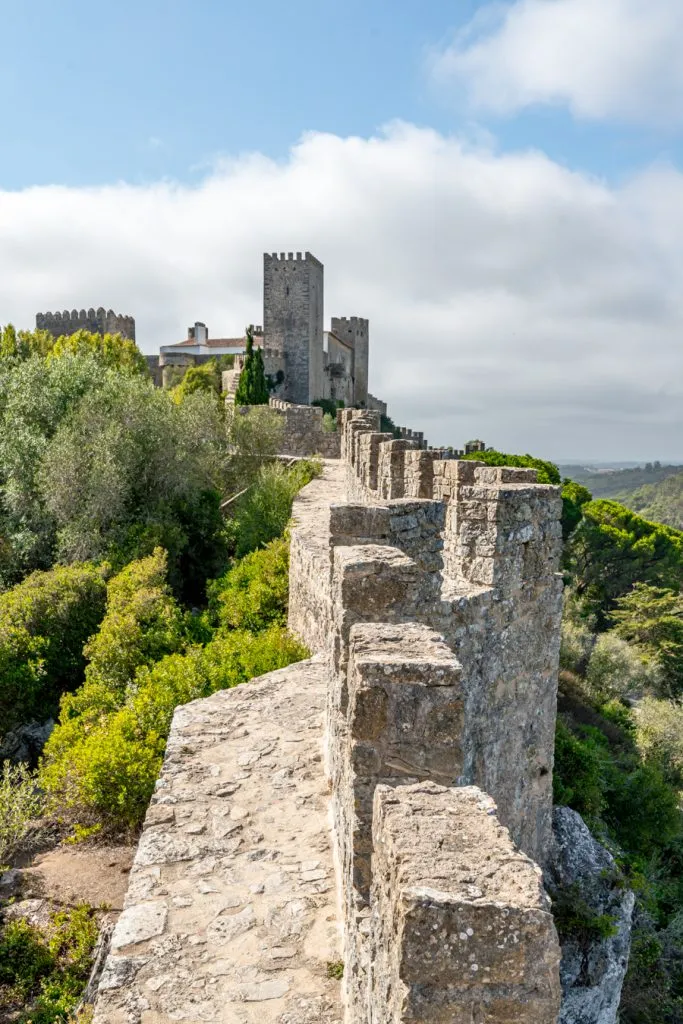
461 929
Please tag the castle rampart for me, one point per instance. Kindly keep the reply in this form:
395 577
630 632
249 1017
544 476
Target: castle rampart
98 321
434 618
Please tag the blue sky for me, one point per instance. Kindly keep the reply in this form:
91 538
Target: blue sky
497 185
94 93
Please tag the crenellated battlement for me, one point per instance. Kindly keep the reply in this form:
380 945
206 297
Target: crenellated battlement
427 590
99 321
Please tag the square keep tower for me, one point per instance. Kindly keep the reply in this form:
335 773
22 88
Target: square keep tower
293 321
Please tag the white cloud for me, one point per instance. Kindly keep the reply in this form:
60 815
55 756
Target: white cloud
509 298
603 58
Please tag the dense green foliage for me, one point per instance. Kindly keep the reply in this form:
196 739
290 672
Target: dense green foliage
205 377
112 351
131 470
612 548
651 620
105 754
45 969
547 472
574 497
44 623
35 398
252 388
262 513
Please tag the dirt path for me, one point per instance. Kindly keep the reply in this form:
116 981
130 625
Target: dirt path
80 874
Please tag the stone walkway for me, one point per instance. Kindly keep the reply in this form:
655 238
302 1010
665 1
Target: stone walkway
231 911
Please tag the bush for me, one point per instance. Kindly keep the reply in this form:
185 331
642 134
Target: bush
548 473
616 670
264 511
47 969
142 623
576 646
20 803
253 594
578 777
128 471
44 623
111 768
659 733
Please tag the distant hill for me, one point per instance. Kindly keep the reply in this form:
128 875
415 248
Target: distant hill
661 502
617 483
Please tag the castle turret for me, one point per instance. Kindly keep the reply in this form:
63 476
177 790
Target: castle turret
356 332
293 321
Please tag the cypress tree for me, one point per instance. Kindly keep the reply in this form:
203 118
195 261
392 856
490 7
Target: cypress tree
252 388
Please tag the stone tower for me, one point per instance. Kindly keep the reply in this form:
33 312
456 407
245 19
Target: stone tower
293 321
356 332
100 321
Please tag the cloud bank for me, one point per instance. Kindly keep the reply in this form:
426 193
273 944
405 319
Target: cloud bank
509 298
601 58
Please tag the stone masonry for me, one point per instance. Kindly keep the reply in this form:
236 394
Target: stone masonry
100 321
293 321
428 590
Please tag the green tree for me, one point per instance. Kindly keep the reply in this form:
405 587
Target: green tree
17 346
113 350
612 548
205 377
132 470
651 619
44 623
35 398
574 497
252 388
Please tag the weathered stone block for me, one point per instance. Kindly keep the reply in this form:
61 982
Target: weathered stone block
461 926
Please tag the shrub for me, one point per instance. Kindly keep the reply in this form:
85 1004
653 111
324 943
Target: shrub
20 804
578 777
253 594
575 647
44 623
659 733
142 623
548 473
615 669
575 918
264 511
111 768
47 969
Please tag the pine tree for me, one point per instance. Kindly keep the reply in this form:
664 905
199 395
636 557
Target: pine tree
252 388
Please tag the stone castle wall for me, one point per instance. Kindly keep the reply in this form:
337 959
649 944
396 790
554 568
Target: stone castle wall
427 589
98 321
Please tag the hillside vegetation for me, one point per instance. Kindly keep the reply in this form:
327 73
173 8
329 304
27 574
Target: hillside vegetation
661 502
125 589
610 484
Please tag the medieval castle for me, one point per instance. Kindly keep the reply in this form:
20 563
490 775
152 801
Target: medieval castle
311 362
